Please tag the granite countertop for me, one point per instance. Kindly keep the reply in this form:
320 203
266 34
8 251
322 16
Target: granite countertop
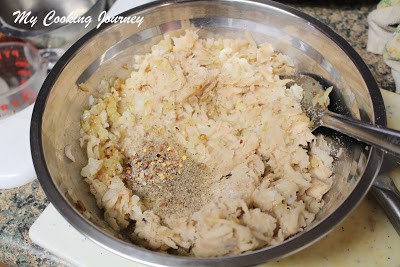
20 207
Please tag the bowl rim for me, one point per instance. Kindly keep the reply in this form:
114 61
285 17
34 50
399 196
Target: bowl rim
141 255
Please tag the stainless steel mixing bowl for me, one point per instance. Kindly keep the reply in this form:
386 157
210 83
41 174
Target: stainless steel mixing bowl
315 49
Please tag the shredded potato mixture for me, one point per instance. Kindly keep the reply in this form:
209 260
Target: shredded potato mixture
204 151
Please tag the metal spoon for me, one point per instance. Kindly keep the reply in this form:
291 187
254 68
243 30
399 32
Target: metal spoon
380 137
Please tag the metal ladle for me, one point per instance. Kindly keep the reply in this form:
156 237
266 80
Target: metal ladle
380 137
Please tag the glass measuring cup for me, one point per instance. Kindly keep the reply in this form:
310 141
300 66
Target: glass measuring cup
22 72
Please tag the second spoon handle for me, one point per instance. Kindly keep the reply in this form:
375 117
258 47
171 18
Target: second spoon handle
387 195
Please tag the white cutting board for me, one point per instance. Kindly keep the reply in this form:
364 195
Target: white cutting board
52 232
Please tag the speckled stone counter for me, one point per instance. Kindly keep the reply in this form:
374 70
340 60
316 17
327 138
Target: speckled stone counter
349 19
20 207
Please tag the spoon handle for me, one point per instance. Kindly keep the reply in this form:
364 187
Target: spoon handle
380 137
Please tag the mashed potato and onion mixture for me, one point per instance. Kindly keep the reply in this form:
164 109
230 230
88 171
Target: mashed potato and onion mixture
203 150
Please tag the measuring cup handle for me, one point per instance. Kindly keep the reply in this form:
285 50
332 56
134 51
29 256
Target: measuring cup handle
52 55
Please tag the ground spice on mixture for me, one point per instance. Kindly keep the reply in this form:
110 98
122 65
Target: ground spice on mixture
167 179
